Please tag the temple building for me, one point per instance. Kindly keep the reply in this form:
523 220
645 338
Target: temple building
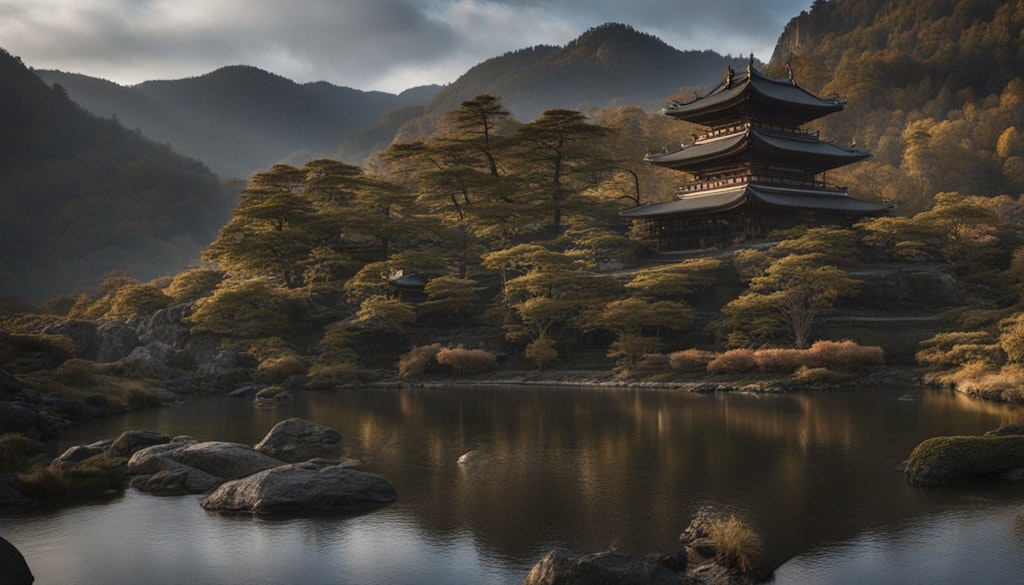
755 169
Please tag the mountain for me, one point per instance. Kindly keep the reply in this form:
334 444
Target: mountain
934 87
607 66
241 119
82 196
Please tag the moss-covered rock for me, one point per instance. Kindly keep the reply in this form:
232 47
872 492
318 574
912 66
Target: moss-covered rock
955 460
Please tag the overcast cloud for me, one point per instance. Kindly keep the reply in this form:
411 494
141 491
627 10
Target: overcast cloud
389 45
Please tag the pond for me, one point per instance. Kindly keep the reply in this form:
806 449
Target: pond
578 469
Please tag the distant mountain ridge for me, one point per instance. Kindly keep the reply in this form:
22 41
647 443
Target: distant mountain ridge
240 119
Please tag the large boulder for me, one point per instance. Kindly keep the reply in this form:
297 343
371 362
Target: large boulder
313 487
147 361
13 568
295 440
218 458
83 333
131 441
605 568
116 341
176 479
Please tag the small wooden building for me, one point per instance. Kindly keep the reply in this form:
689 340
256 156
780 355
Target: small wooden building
755 169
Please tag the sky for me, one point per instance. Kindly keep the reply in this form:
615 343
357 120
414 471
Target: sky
387 45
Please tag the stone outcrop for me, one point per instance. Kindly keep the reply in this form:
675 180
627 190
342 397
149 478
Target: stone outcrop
192 464
130 442
605 568
295 440
13 568
313 487
80 453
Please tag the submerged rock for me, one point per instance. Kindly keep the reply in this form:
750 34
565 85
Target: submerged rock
295 440
605 568
313 487
473 459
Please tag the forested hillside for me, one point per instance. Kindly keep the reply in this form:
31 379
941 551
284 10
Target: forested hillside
82 196
935 89
240 119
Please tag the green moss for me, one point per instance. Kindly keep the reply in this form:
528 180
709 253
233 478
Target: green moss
96 476
950 460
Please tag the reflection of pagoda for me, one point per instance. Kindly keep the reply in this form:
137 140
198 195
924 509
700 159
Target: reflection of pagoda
755 170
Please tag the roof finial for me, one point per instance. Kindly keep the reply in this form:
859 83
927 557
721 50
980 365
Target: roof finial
728 75
750 65
789 71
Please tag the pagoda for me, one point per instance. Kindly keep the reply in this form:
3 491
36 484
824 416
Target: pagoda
755 169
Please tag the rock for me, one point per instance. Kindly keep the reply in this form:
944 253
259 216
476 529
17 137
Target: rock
17 418
1006 430
673 561
697 528
131 441
218 458
705 547
146 362
598 569
116 341
83 333
80 453
10 491
473 459
248 390
295 440
96 405
10 385
225 365
302 488
176 479
954 460
13 567
272 395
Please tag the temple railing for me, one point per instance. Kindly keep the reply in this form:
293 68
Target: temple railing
752 178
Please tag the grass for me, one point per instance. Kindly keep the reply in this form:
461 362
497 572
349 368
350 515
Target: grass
738 547
18 452
81 379
96 476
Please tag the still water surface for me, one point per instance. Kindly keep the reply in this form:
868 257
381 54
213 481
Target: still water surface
578 469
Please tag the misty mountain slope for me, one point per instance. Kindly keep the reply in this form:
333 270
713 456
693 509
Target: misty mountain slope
82 196
607 66
241 119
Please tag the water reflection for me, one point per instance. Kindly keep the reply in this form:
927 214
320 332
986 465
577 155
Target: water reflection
584 469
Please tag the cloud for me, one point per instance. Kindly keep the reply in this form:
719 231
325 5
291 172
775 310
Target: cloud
368 44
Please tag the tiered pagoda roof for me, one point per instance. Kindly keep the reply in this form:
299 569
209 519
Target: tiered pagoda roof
756 154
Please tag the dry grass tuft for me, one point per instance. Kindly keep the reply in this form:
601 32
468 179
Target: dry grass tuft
738 546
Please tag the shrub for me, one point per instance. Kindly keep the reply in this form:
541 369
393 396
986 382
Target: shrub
141 398
77 372
137 299
277 370
43 484
783 360
340 373
542 352
949 460
737 546
846 355
732 362
17 452
807 375
939 350
193 284
415 363
467 360
690 360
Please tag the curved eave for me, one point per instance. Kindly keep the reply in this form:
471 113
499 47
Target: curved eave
830 202
815 155
747 94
